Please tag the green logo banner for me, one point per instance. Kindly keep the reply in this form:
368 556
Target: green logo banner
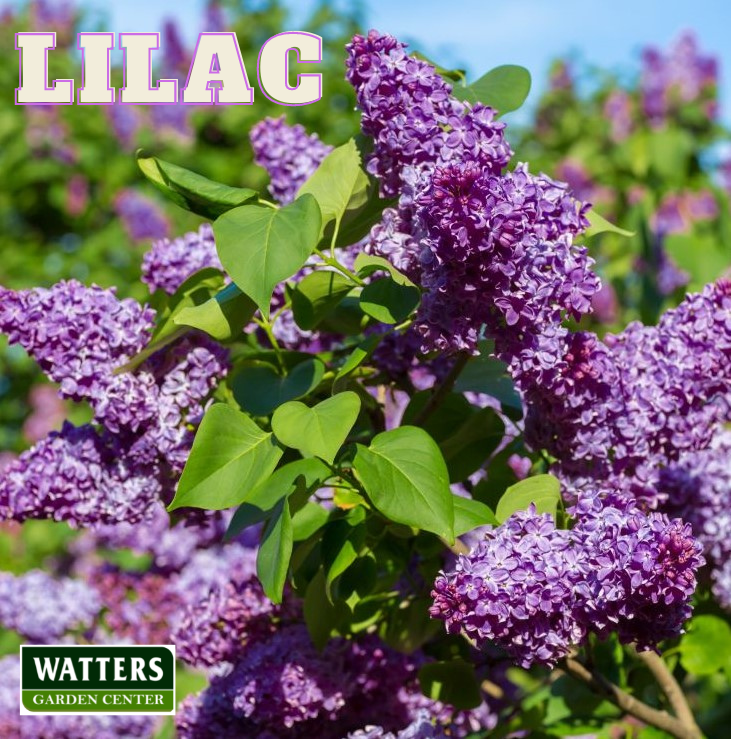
108 680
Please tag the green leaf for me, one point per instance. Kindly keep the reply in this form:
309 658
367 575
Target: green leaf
321 616
317 295
706 648
452 682
230 456
360 354
543 490
308 519
190 190
454 75
259 388
260 247
406 477
223 316
196 290
275 551
342 543
504 88
358 223
319 431
258 504
599 225
485 374
387 301
338 184
366 264
471 445
470 514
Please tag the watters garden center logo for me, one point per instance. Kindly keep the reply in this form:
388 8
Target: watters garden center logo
106 680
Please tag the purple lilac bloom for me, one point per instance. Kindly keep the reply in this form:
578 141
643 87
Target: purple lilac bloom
169 263
141 217
698 489
79 476
684 75
470 236
15 726
48 412
42 608
172 121
288 153
214 20
617 411
226 623
517 587
498 256
422 727
642 570
537 591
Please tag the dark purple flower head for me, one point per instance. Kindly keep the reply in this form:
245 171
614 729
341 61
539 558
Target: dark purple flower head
517 587
498 256
536 590
288 153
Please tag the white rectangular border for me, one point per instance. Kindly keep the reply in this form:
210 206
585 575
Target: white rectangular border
25 712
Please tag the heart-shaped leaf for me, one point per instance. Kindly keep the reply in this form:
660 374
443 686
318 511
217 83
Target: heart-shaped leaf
259 388
470 514
230 456
504 88
405 476
319 431
260 247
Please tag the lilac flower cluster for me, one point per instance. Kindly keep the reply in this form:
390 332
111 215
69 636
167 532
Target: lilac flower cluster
79 476
697 487
288 153
617 411
283 686
499 256
682 76
493 251
80 336
169 263
15 726
536 590
42 608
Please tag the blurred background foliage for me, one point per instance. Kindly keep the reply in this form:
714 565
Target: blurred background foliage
645 150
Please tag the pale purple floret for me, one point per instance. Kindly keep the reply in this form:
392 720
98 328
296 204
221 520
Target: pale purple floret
42 608
170 262
288 153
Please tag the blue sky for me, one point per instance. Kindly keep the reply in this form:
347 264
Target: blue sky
481 34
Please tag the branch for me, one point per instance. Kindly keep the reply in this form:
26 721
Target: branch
669 685
442 390
600 685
